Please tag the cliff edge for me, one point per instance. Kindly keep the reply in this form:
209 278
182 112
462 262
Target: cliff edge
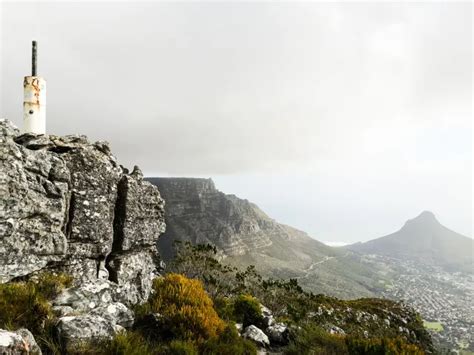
68 206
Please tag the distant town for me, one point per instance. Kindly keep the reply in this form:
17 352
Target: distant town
444 299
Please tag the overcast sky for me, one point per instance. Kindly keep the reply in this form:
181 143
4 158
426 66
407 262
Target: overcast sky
341 119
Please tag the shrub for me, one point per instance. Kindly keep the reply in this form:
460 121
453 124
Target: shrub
179 347
224 308
126 343
50 285
24 304
315 340
247 310
21 306
186 311
200 262
228 343
382 346
123 343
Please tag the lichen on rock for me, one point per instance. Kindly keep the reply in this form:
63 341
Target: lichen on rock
67 205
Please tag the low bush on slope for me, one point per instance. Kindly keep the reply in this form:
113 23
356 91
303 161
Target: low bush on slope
25 304
194 308
365 321
186 311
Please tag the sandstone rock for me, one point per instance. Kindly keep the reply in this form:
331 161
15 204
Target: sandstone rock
256 335
19 342
116 313
278 333
30 340
67 205
267 315
35 193
74 330
87 296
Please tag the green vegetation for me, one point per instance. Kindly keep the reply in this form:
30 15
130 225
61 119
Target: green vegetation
186 311
247 310
24 304
436 326
194 308
230 288
315 340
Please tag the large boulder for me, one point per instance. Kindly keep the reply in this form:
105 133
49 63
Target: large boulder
76 330
20 342
256 335
67 205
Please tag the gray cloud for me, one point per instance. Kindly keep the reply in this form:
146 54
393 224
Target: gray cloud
367 94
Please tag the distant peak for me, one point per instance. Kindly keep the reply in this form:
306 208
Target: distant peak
427 214
424 217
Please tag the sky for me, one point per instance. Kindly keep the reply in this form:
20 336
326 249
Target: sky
340 119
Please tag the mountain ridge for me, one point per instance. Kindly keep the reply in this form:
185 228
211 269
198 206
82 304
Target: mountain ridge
245 235
423 239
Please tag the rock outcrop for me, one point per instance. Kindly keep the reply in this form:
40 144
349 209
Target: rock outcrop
202 214
67 205
19 342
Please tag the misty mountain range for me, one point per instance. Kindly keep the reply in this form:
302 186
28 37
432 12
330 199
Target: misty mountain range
425 240
197 212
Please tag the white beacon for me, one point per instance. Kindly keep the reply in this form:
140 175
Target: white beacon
34 99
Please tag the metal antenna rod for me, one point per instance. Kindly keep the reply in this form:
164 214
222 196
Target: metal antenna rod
33 59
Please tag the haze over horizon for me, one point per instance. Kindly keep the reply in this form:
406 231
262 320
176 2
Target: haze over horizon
343 120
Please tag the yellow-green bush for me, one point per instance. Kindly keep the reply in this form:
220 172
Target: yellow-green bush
22 306
186 310
247 310
25 304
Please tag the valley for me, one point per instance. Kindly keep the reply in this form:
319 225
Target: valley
424 263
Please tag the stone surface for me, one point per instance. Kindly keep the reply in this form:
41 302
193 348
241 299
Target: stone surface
20 342
67 205
30 341
73 330
267 315
256 335
202 214
116 313
278 333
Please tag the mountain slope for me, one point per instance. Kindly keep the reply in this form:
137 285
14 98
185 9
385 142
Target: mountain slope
197 212
425 240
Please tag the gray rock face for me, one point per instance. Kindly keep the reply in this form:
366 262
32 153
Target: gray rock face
256 335
20 342
201 214
74 330
67 205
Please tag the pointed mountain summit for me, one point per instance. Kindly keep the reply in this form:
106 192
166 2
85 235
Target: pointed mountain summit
426 240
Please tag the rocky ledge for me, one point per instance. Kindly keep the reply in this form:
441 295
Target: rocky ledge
68 206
